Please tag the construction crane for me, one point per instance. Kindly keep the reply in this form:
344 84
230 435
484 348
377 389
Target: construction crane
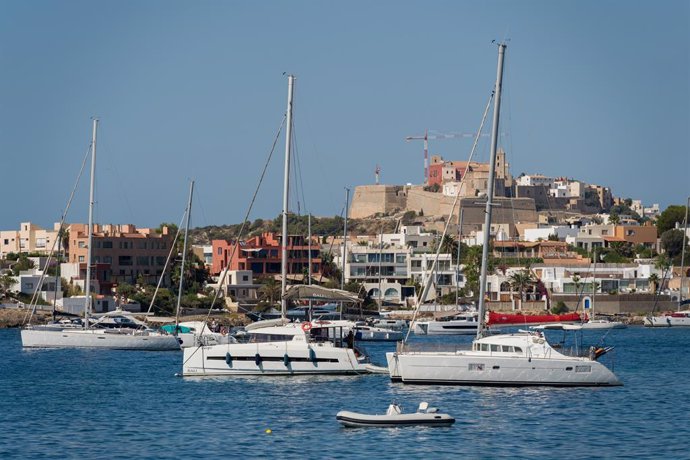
436 135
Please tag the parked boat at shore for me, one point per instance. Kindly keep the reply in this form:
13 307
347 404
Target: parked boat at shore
464 323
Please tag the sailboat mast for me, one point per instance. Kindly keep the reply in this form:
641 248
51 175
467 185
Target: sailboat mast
184 256
347 205
682 255
457 260
286 191
490 190
87 287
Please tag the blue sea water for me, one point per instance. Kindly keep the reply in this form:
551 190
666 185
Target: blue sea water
120 404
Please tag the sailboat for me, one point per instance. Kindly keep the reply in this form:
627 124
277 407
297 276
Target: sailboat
91 333
279 347
679 317
599 323
524 358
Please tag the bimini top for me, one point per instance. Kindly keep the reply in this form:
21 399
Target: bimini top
318 293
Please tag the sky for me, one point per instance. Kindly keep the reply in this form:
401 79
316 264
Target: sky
594 90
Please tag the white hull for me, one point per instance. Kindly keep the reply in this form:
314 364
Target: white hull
96 338
467 368
378 335
453 327
269 358
667 321
603 324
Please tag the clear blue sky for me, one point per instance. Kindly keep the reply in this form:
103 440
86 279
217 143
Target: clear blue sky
595 90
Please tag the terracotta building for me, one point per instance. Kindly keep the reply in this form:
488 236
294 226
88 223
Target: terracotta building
125 250
262 255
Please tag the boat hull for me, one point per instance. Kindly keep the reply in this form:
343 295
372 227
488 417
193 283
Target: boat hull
667 321
445 327
97 338
270 359
470 369
356 420
603 325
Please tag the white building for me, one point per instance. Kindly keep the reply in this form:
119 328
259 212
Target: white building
543 233
534 180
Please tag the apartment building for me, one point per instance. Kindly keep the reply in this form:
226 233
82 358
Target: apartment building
123 253
263 255
30 238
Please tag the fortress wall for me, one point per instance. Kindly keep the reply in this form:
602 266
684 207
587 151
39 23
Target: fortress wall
368 200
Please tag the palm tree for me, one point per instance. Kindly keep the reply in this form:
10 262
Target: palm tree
653 281
270 290
520 281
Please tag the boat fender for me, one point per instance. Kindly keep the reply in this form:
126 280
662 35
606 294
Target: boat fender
228 359
286 360
312 355
306 326
257 359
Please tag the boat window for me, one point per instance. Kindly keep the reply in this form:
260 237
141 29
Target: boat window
518 350
495 348
485 347
583 368
506 349
569 368
260 338
475 366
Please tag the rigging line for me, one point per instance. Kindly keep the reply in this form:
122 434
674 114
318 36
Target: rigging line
422 295
34 298
298 170
167 261
241 232
330 248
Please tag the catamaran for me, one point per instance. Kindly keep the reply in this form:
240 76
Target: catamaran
280 347
518 359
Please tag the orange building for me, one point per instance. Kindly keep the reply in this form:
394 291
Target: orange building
127 252
262 255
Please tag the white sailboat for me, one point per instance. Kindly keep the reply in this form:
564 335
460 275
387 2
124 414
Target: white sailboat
520 359
680 317
278 347
91 334
599 323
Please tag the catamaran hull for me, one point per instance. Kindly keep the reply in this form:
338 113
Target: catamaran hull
99 338
379 336
667 321
285 358
463 369
445 328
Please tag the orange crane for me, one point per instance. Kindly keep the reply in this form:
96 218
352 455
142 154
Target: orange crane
436 135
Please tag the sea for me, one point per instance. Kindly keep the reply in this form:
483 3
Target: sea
93 404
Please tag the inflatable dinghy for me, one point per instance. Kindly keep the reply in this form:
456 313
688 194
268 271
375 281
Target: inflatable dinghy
425 415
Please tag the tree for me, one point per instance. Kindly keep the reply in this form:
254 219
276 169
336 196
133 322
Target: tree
270 290
672 243
6 282
553 237
520 281
614 218
125 290
669 218
653 282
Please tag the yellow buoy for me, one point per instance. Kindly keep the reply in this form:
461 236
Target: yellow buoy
268 431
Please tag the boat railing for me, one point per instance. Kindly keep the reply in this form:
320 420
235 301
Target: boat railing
431 347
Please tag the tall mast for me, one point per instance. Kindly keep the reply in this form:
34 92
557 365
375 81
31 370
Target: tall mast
286 191
184 256
490 190
682 256
457 262
347 205
87 289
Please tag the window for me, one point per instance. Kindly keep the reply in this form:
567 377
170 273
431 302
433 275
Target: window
495 348
81 258
124 260
29 285
107 259
583 368
220 251
475 367
107 245
7 241
518 350
142 260
245 277
506 349
82 244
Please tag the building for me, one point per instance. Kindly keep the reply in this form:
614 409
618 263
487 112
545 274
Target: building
263 256
30 238
121 253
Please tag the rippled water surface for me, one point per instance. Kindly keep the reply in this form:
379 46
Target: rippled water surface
124 404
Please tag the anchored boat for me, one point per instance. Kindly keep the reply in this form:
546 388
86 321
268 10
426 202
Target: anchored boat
425 415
